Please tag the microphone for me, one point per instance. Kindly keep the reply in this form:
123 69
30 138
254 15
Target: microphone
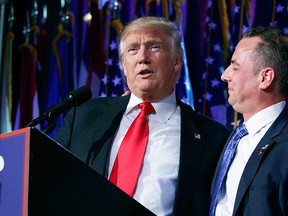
75 98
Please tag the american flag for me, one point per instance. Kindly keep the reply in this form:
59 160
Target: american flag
113 81
212 98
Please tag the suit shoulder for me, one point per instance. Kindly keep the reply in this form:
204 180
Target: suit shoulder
204 121
101 102
211 123
96 101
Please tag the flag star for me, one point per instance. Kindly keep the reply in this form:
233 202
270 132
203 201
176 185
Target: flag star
209 60
212 25
208 96
279 8
217 47
215 82
244 29
236 9
104 79
113 45
109 61
102 94
116 81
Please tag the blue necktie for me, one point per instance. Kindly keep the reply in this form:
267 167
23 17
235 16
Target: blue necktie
227 159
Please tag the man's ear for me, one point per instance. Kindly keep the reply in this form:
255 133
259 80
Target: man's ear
178 63
267 77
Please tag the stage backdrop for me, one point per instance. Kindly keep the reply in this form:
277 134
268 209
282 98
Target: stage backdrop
49 48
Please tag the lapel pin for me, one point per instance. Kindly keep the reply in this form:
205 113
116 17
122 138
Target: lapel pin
263 149
197 136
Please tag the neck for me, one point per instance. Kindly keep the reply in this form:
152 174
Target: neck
248 115
152 98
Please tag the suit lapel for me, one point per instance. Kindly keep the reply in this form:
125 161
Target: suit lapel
191 153
264 147
250 170
100 147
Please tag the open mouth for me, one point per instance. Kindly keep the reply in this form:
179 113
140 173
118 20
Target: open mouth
144 72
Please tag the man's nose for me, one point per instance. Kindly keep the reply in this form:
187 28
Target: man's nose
225 75
143 56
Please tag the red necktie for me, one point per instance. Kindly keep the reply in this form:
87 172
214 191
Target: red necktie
128 162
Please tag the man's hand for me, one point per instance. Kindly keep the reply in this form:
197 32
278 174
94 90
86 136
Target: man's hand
126 93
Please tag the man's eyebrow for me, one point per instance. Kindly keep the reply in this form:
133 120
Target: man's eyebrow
235 63
146 43
132 44
155 41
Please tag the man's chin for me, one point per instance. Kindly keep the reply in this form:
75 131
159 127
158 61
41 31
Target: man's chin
231 102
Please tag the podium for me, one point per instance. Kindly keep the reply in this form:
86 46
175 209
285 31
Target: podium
40 177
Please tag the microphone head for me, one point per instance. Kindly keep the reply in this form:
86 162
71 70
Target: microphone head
80 95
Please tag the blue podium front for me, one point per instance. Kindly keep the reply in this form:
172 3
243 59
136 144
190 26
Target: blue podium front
14 165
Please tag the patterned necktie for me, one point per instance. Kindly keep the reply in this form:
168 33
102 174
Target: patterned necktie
227 159
128 162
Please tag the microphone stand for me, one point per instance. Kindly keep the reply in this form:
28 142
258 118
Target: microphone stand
50 117
50 126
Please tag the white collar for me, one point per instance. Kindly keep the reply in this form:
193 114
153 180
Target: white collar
164 108
264 117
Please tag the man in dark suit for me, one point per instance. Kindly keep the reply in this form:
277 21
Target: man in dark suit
183 147
257 180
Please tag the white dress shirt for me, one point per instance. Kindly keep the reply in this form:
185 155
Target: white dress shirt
157 180
257 126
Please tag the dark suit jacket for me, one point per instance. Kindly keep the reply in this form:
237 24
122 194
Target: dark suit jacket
89 130
263 188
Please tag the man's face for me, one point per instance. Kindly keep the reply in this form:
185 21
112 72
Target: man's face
243 82
149 65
